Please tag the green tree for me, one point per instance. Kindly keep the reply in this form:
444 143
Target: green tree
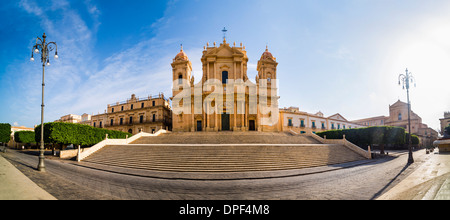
26 137
77 134
5 132
414 139
363 137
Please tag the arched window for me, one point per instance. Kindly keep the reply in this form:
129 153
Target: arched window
180 79
399 116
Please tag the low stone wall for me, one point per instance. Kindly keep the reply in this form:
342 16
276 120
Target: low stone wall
88 151
344 142
68 154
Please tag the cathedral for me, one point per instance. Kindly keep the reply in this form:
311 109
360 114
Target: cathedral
224 99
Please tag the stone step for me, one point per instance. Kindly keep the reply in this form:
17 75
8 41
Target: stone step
216 164
195 158
226 137
162 156
234 168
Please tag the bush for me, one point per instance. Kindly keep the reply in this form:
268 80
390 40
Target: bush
5 132
447 130
395 135
381 135
26 137
414 139
77 134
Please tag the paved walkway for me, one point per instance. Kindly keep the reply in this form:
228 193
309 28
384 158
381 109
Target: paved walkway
428 179
431 180
14 185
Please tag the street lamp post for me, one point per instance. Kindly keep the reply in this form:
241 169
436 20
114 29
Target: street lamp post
44 48
406 79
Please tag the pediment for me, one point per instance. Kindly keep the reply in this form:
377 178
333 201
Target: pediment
224 51
399 104
337 116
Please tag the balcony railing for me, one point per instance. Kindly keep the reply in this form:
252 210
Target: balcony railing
140 99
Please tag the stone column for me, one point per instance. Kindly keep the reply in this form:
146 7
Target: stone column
208 118
215 74
203 116
258 119
243 116
242 70
235 112
207 69
216 120
192 118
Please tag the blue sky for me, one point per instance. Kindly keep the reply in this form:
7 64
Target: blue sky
334 56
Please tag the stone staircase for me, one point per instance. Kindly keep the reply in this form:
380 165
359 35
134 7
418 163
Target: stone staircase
227 138
223 152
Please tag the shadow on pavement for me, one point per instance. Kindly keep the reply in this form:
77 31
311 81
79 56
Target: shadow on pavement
390 182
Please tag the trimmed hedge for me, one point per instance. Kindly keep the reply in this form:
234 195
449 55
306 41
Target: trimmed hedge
5 132
414 139
26 137
369 135
77 134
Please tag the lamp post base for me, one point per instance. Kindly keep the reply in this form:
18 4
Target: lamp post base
41 166
410 158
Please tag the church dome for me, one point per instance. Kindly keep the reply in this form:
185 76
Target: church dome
181 55
267 55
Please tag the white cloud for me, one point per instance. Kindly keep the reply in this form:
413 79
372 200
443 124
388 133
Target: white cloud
31 7
75 83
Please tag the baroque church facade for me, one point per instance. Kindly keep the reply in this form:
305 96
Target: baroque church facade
224 99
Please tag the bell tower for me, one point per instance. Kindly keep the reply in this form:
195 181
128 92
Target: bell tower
181 70
181 97
267 87
267 66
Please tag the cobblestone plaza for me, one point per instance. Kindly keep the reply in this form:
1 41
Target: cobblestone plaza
363 181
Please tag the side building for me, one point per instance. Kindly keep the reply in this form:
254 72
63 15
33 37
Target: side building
303 122
134 115
398 116
72 118
445 121
14 129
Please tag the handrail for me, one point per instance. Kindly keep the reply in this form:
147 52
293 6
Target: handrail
357 149
88 151
344 142
293 132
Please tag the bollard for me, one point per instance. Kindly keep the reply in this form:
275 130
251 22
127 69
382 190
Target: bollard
78 155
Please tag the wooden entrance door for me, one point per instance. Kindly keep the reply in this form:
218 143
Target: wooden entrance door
225 122
251 125
199 125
